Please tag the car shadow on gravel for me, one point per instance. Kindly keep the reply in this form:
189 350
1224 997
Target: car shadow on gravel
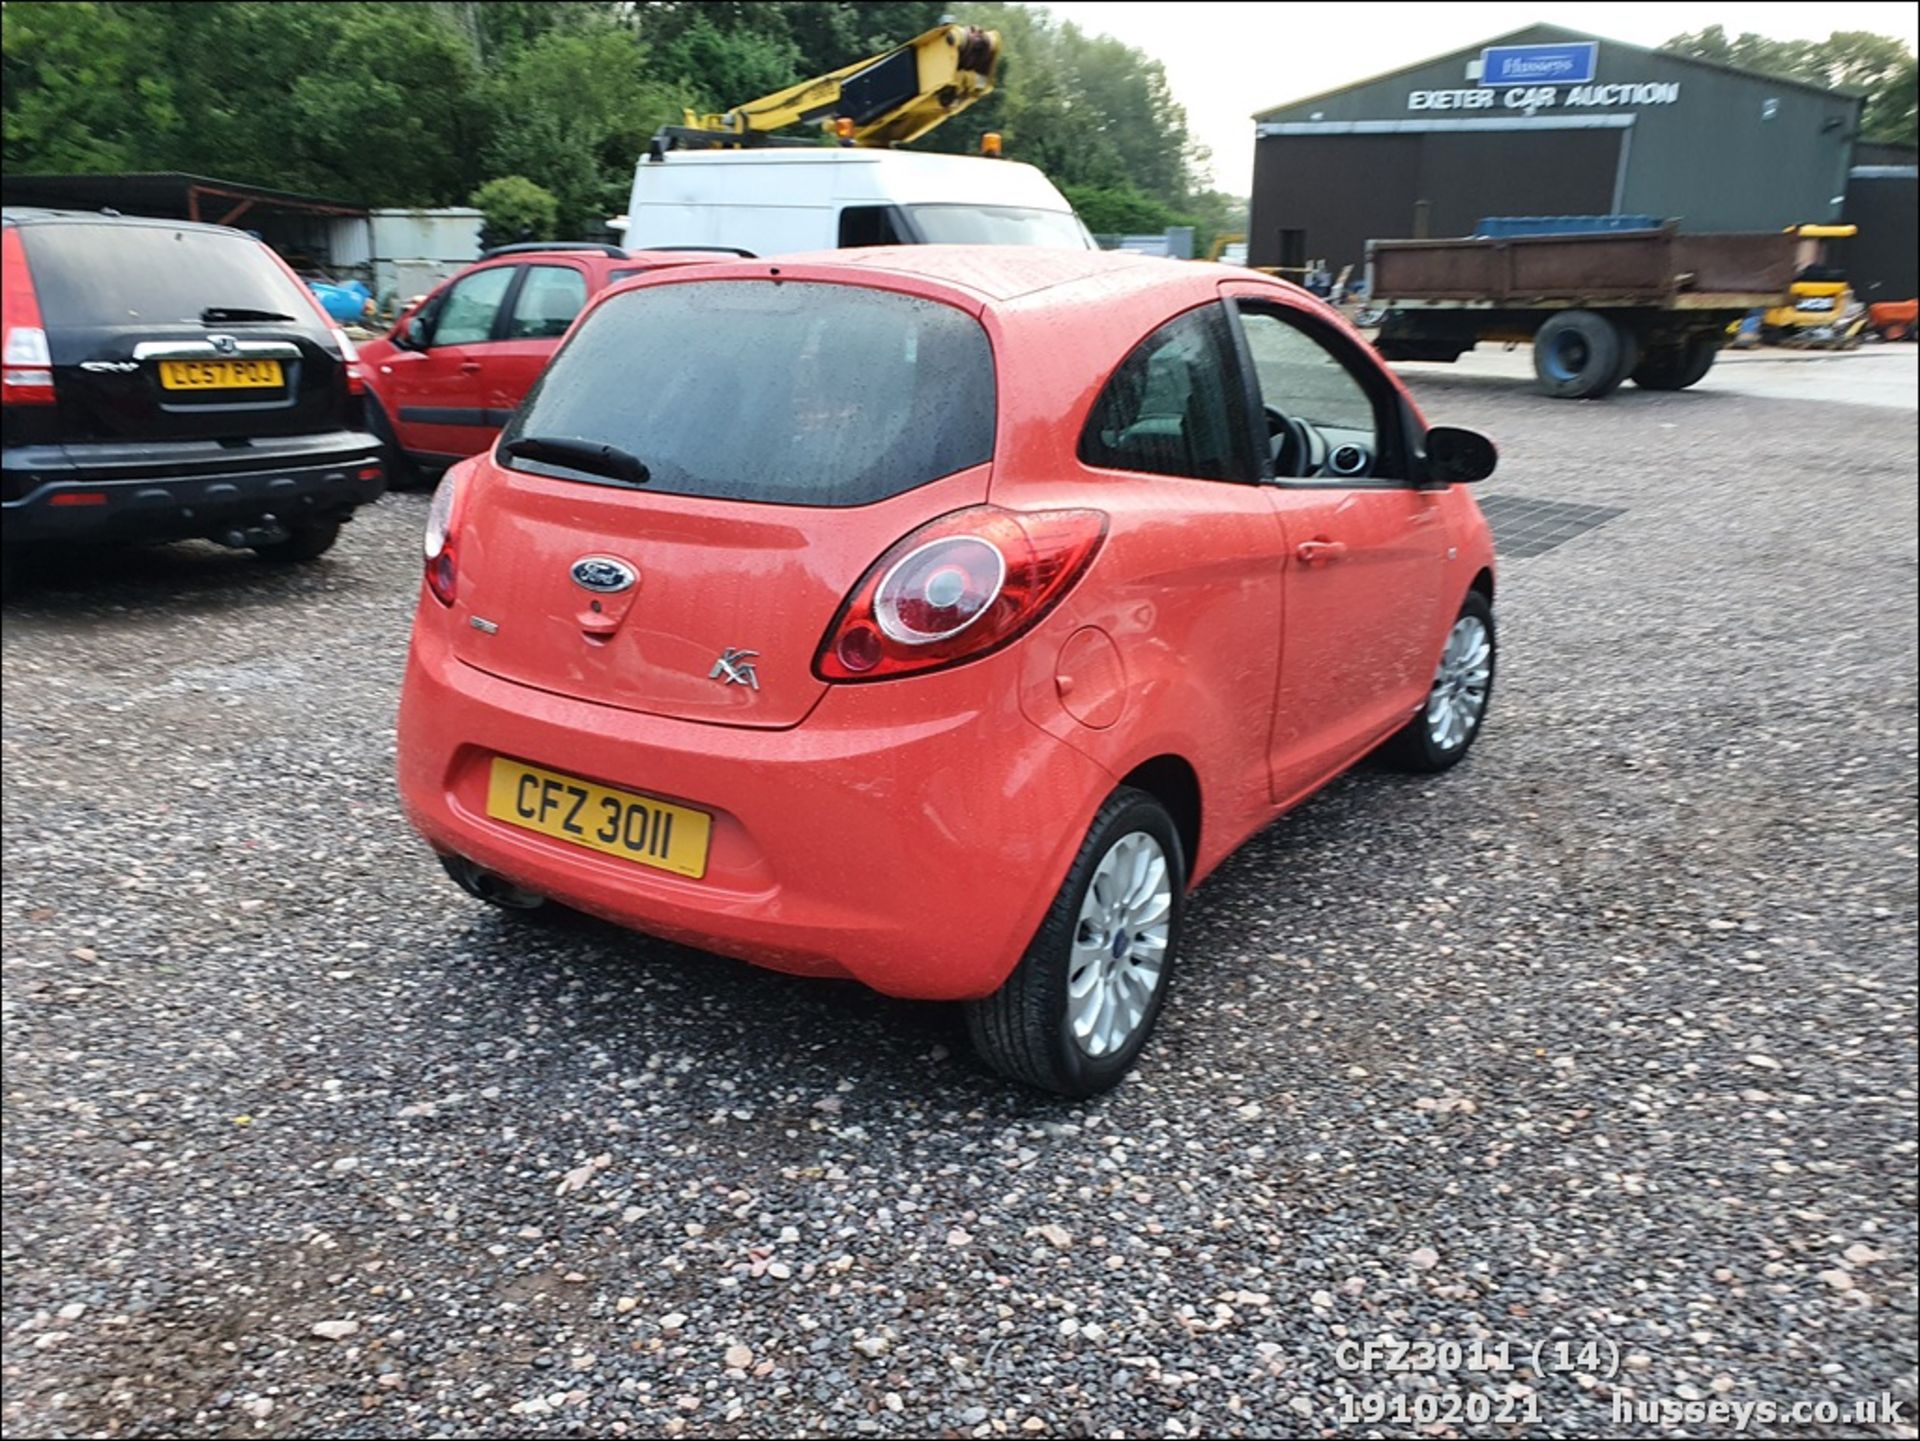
636 997
186 577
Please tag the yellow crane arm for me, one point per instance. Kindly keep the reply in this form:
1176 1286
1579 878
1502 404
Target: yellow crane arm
886 99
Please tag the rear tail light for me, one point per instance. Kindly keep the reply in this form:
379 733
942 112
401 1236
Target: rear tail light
350 354
26 363
957 588
28 372
440 543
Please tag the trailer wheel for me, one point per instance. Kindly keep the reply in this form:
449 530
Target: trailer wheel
1629 357
1675 367
1578 355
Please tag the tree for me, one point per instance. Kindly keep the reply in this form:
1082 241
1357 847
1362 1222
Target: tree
1890 116
1088 110
366 101
723 68
516 209
416 104
822 35
1878 67
72 98
1121 210
575 111
389 115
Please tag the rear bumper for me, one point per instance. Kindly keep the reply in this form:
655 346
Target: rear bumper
172 490
910 842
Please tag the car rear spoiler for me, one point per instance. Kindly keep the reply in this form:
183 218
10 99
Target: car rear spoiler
714 249
526 247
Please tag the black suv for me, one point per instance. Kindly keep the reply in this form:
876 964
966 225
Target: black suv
164 380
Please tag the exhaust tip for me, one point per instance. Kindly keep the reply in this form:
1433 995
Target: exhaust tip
495 890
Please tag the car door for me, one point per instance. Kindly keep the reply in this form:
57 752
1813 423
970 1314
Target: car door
440 392
1366 549
1192 594
542 305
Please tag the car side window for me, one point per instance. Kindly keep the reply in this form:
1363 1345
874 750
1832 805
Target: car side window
472 306
869 225
550 297
1176 405
1301 378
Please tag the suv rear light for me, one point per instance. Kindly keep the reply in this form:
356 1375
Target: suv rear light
349 352
958 588
26 363
28 371
442 563
350 355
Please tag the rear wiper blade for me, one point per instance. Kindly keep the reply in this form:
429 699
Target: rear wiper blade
228 314
587 455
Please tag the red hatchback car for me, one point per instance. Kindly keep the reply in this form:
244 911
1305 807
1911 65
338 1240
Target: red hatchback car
455 366
938 618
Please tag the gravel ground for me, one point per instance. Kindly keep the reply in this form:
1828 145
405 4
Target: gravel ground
1608 1037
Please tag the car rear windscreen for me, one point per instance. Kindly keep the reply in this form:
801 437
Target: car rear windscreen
132 274
786 391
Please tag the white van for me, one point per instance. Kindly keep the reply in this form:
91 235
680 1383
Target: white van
777 201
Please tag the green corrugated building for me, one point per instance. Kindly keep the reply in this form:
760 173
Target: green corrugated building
1544 121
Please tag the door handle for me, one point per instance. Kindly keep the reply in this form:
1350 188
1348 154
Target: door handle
1318 550
467 367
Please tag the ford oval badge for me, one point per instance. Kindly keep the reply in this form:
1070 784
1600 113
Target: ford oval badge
603 575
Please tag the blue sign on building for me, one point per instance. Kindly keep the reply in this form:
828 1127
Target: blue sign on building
1570 64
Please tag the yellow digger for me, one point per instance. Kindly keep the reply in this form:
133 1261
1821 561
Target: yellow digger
884 100
1821 311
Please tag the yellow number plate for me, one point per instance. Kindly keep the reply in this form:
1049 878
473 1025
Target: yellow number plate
619 823
220 374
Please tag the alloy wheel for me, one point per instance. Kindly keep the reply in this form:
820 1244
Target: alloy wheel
1459 695
1119 944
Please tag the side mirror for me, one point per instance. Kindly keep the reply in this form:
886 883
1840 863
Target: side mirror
412 334
1457 456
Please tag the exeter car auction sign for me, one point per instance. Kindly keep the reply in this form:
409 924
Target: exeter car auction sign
1531 78
1529 98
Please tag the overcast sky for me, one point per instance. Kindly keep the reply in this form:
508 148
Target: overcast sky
1226 61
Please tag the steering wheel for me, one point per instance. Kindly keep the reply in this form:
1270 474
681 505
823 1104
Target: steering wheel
1292 450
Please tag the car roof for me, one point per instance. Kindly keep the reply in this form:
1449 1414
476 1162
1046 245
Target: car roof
599 257
39 215
1000 273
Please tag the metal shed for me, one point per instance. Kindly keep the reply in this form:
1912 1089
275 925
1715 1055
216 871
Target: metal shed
301 227
1883 199
1544 121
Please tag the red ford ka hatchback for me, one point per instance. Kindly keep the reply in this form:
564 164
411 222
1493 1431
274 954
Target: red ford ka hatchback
938 618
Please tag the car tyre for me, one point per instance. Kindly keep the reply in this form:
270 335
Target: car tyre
1074 1014
402 472
1447 724
1580 355
308 540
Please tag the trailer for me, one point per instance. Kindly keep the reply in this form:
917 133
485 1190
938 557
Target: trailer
1599 306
